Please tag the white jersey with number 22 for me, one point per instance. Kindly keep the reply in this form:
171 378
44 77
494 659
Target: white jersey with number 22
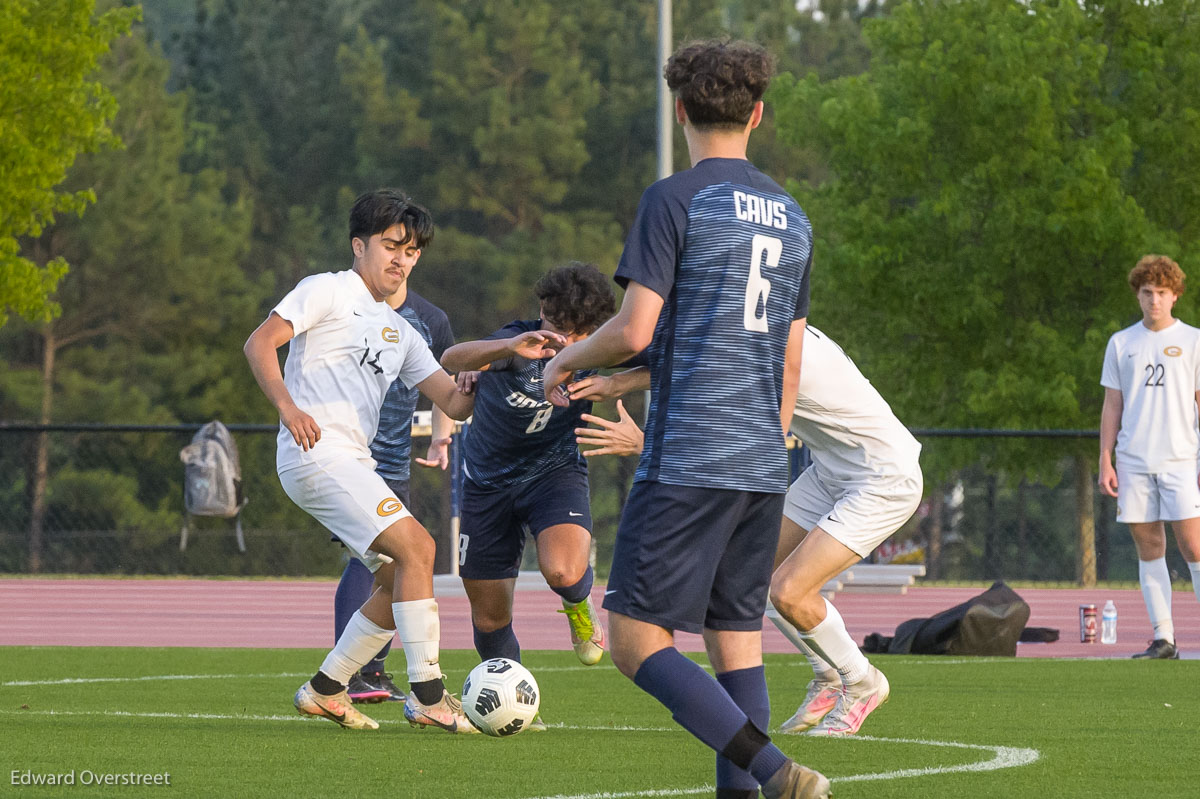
1158 374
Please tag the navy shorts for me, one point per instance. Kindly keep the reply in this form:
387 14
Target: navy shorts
689 558
494 520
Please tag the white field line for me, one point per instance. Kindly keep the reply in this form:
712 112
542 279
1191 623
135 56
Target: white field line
296 717
160 677
1003 757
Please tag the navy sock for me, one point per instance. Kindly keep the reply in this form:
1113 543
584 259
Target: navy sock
500 643
748 688
353 590
577 592
696 700
702 707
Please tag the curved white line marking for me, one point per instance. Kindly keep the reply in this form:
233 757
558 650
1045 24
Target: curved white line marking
1004 757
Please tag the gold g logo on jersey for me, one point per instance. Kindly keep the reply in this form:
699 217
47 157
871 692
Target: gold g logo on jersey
1173 351
389 506
391 335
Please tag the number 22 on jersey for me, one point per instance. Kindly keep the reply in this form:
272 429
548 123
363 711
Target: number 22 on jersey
758 288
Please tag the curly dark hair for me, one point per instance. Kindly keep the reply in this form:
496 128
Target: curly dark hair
1157 270
719 81
576 297
376 211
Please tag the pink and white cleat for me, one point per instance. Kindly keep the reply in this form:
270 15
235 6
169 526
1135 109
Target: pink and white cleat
855 704
821 698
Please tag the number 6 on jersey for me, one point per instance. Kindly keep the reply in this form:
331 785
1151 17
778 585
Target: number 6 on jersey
758 286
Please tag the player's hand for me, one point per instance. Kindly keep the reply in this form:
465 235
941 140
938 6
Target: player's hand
467 381
438 455
553 376
537 344
1108 479
304 429
622 437
596 388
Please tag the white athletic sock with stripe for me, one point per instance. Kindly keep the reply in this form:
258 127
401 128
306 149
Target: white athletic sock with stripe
821 669
830 640
420 632
1156 590
1194 568
358 644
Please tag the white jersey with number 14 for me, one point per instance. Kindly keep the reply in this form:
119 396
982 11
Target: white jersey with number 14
347 350
1158 374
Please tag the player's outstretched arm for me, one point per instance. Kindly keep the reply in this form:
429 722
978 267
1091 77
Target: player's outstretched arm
622 437
260 350
443 392
598 388
616 341
471 355
791 373
1110 425
438 455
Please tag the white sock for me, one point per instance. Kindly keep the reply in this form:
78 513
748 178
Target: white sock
830 640
1194 568
420 632
821 669
359 643
1156 590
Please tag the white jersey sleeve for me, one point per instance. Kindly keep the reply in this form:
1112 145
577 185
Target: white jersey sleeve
1110 377
313 299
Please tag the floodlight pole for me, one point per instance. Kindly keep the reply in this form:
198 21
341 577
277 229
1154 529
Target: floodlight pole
666 108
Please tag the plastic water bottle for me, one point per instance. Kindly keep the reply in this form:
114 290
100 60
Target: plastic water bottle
1108 623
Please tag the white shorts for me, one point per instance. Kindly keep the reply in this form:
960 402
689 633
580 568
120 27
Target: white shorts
350 499
859 516
1164 497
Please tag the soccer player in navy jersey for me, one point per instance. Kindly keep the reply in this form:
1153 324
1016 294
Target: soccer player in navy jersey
391 450
716 270
523 469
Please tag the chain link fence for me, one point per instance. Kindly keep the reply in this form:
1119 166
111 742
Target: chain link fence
93 499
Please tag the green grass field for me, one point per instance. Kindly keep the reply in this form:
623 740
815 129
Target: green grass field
220 722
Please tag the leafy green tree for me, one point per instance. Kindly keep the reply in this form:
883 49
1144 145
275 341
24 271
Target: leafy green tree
156 306
51 110
978 221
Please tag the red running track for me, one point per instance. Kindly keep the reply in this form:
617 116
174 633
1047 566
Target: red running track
279 613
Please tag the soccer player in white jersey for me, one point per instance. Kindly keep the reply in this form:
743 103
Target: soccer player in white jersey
1151 382
346 348
864 483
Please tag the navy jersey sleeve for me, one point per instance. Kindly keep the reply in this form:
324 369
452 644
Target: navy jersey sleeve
514 328
442 335
802 297
654 242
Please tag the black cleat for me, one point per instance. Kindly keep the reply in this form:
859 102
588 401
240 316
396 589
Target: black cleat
363 692
1159 649
382 681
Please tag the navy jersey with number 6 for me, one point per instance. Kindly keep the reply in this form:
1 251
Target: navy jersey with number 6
516 434
729 251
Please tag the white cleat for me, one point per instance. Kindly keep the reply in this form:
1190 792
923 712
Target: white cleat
820 698
856 703
447 714
336 708
795 781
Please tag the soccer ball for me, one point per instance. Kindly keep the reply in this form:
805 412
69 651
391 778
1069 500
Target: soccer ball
500 697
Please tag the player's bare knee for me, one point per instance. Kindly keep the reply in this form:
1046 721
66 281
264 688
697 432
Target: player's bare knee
488 620
559 575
